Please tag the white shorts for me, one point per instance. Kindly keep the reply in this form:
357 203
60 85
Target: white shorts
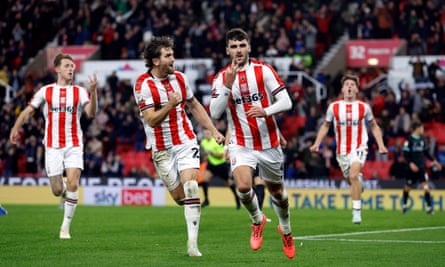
59 159
345 161
169 163
269 161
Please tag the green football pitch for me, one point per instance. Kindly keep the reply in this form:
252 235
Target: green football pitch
156 236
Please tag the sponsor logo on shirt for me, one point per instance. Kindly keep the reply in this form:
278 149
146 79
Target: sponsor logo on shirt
248 98
69 109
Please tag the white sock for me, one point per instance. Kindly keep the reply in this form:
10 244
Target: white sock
70 208
250 201
192 209
281 207
356 204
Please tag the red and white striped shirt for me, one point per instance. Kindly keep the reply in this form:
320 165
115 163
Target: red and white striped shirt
62 109
350 124
256 84
151 92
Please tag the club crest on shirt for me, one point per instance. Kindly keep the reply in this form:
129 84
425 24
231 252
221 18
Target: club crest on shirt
214 93
244 89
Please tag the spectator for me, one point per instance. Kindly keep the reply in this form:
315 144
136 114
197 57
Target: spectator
418 66
310 36
402 123
415 45
311 125
282 42
112 166
11 167
434 70
385 22
272 51
391 104
139 138
146 19
34 155
399 168
314 162
406 101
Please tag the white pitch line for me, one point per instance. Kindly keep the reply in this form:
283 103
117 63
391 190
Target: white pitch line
309 237
380 241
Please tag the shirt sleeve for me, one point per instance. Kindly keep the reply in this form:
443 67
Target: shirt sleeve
219 98
188 89
38 98
272 79
282 103
368 114
84 96
329 114
142 95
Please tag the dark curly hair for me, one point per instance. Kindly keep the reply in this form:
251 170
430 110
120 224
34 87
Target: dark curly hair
236 34
153 49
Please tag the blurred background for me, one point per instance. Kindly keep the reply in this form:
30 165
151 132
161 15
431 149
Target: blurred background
395 47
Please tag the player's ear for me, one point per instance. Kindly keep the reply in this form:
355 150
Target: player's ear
155 61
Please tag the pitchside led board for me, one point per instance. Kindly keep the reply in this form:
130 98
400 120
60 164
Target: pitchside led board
303 193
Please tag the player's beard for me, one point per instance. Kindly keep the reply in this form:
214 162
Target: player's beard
165 70
240 59
169 69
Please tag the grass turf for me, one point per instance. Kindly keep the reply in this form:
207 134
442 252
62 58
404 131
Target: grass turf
156 236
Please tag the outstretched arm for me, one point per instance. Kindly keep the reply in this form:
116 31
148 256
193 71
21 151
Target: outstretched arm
24 116
200 114
377 132
324 128
91 107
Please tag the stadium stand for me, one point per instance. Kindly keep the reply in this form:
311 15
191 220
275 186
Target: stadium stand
121 27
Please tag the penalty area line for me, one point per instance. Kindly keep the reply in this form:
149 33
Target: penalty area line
378 241
333 236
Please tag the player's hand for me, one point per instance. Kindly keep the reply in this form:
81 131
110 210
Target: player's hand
438 165
174 99
255 111
13 137
413 167
383 150
283 141
230 74
226 155
92 82
219 138
314 148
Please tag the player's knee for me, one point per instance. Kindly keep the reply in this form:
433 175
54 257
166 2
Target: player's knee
278 194
72 187
57 191
180 202
243 189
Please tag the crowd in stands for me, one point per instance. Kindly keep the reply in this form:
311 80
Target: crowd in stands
299 29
